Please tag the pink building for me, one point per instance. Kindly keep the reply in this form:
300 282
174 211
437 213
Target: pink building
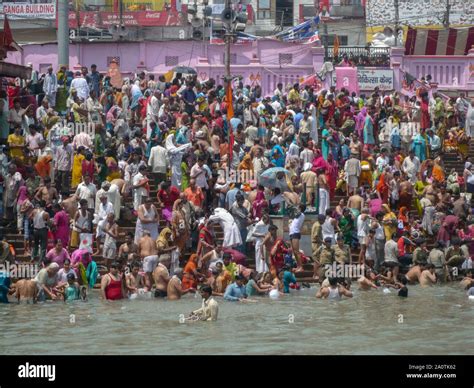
265 62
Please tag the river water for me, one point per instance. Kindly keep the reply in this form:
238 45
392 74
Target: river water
434 320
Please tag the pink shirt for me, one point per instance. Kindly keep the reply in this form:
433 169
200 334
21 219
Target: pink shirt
22 194
375 206
57 258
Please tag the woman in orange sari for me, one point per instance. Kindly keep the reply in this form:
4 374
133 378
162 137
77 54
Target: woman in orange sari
191 276
383 186
438 171
403 220
43 166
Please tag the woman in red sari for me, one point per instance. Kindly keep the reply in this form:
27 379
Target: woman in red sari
425 114
167 196
318 162
259 204
206 240
332 172
277 256
88 166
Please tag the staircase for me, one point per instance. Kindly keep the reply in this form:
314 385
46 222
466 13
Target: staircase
450 160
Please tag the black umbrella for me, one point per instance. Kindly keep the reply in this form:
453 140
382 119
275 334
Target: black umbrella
184 70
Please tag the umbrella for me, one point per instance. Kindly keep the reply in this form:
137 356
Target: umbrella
237 257
269 177
184 70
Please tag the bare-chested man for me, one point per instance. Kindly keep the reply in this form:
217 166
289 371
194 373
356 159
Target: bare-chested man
161 276
46 193
355 203
128 248
414 274
26 291
148 253
428 276
175 290
134 281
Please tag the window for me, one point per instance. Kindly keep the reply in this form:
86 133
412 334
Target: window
263 9
43 67
171 60
110 59
285 59
233 58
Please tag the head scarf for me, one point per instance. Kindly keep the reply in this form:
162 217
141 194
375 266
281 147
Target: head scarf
163 237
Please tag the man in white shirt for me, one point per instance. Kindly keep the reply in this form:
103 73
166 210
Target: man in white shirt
411 166
139 183
152 111
87 190
42 110
100 218
209 309
81 86
159 161
50 86
383 160
199 173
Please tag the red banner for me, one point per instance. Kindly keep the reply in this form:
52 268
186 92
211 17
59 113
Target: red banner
138 18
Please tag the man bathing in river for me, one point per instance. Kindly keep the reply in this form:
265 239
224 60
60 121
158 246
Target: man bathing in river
149 255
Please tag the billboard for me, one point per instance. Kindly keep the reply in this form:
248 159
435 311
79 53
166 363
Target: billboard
139 18
28 10
369 78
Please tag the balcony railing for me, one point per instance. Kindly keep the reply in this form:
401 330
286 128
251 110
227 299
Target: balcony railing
361 56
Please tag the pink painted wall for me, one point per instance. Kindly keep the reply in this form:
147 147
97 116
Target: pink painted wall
257 63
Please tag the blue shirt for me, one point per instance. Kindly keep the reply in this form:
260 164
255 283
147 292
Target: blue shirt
288 278
189 96
234 122
5 282
296 120
233 292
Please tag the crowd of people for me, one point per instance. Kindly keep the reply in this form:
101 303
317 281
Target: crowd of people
84 154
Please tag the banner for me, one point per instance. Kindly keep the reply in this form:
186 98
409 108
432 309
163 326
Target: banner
346 77
371 78
17 11
139 18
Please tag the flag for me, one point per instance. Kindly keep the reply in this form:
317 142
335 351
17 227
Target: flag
336 47
300 32
313 38
230 115
7 33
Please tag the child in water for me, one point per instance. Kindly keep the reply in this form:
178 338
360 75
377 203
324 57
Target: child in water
72 290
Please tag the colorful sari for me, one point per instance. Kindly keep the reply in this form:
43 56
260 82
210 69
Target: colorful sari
189 279
77 170
113 171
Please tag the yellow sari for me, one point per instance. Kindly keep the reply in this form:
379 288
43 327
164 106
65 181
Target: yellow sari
77 170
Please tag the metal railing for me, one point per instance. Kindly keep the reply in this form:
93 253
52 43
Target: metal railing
361 56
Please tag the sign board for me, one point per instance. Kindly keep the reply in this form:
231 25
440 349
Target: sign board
138 19
370 78
16 11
